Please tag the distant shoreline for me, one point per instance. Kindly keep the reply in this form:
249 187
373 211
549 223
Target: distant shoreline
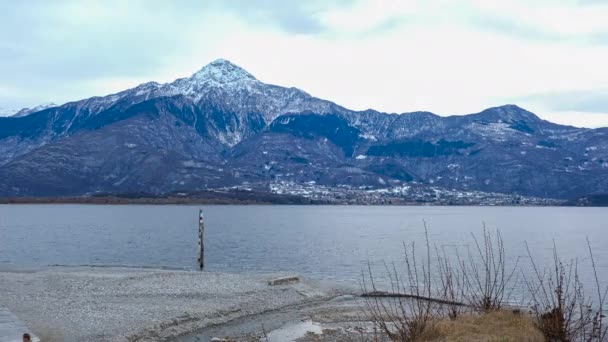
224 201
257 197
202 197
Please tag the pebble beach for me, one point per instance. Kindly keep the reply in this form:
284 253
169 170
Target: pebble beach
125 304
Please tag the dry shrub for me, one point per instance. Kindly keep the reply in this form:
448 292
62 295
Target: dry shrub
562 310
403 319
451 285
487 282
428 289
427 293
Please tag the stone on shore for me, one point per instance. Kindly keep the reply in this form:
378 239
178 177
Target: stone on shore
284 281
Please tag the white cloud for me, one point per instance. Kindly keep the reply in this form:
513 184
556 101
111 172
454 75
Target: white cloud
449 57
564 17
366 15
577 119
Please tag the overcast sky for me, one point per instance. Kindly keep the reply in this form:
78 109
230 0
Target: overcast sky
444 56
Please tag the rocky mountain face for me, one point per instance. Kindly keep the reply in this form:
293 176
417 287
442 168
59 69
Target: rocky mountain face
222 127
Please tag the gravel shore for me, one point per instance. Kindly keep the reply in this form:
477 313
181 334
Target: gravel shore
124 304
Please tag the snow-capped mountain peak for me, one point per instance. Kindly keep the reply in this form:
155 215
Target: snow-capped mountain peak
219 75
222 71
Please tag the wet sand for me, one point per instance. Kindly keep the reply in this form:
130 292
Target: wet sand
340 319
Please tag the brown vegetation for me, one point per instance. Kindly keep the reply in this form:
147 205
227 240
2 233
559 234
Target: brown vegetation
470 296
503 326
558 301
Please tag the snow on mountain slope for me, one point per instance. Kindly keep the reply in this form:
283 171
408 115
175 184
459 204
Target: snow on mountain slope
223 82
225 127
222 91
230 85
28 111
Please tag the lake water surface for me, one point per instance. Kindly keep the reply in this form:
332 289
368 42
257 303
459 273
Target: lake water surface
325 242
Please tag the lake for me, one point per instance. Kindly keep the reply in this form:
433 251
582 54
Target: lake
325 242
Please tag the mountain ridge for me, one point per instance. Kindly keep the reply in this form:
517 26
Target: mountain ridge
211 129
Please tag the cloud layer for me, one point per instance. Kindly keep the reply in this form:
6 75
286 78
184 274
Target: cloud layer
450 57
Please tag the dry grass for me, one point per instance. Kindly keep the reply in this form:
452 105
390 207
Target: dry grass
503 326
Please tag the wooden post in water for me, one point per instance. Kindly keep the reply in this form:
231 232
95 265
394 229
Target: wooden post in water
201 241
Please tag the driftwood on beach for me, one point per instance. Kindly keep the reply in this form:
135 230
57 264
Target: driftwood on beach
381 294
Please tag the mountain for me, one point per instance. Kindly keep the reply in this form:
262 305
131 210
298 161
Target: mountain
222 127
28 111
24 111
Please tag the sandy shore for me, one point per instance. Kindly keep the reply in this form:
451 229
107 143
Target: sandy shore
123 304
